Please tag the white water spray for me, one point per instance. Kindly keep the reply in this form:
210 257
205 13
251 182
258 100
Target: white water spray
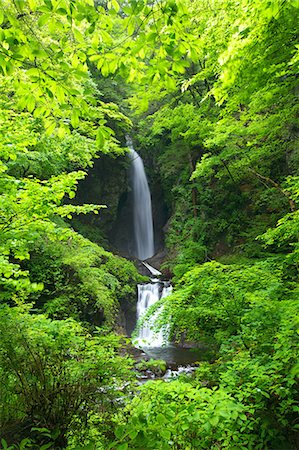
148 295
152 270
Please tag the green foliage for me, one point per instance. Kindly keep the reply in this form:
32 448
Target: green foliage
30 206
41 434
47 46
156 366
229 125
212 298
54 374
251 312
219 79
285 234
81 280
247 397
177 415
264 373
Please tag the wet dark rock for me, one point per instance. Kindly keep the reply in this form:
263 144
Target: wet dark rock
105 184
158 259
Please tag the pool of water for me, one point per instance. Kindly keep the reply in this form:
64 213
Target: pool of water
175 355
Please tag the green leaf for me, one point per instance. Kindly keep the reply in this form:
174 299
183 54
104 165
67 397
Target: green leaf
75 118
161 419
214 421
43 20
46 446
30 103
119 431
123 446
48 4
115 5
50 128
20 4
32 4
133 434
33 72
24 443
62 11
78 35
4 444
100 139
165 434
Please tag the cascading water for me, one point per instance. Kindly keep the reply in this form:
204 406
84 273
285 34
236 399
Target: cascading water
142 207
155 344
148 295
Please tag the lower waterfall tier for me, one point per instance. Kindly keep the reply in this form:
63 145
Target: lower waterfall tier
148 295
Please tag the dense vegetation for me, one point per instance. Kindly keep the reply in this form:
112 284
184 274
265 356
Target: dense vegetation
210 90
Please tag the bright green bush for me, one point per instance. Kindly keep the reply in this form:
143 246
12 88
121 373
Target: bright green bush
177 415
55 375
251 312
81 280
211 299
246 399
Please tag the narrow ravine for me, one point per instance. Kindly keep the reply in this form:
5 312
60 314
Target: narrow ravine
155 344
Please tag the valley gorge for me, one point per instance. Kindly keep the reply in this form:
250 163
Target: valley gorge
149 188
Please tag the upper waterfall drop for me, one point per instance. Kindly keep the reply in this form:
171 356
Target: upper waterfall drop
142 207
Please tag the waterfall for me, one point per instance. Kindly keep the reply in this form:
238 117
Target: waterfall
142 207
152 270
148 295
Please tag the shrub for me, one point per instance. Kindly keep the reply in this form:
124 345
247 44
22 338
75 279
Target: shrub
54 375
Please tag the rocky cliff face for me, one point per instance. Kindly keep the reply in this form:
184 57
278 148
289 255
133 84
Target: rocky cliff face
108 183
105 184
